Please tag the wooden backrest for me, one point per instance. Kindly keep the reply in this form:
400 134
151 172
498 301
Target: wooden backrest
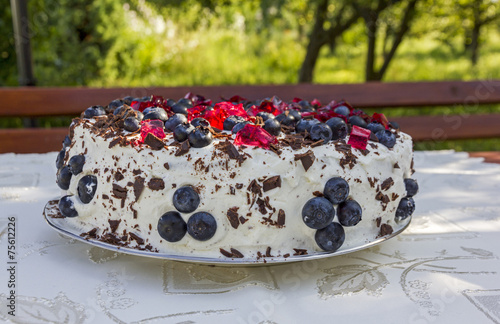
34 102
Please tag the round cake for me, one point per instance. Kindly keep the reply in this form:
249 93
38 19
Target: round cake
236 178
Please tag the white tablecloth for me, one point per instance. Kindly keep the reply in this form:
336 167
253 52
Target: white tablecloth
443 269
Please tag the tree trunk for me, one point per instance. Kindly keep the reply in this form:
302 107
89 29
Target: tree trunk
371 27
316 41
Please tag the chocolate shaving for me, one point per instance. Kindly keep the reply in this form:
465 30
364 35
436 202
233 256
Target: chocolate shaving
236 253
119 192
318 194
138 239
225 253
396 165
268 252
262 206
119 176
156 184
387 183
243 220
154 142
385 229
307 159
286 255
183 148
281 218
271 183
166 166
113 224
394 196
300 252
232 151
90 234
254 188
138 187
104 196
232 216
115 142
373 137
378 221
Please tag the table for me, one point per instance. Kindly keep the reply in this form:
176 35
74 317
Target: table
443 269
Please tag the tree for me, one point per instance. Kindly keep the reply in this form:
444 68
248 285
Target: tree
394 34
477 14
320 36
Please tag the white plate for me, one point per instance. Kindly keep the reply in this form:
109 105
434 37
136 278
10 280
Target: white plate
53 218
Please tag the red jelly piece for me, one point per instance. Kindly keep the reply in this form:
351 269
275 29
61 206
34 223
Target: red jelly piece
153 126
316 103
381 119
196 111
296 100
253 135
359 137
237 99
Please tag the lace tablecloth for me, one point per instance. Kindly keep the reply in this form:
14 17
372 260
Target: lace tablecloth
443 269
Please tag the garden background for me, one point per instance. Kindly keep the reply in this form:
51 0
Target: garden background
138 43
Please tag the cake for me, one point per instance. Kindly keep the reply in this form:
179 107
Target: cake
235 178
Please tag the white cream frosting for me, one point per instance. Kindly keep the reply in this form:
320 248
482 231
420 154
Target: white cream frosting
297 187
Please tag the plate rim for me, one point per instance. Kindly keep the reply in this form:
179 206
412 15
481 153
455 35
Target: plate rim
207 260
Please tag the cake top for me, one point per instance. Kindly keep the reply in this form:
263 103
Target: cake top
270 124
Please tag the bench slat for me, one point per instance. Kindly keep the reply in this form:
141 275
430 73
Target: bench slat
421 128
40 101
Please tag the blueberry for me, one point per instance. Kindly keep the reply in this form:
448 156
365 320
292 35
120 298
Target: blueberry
182 131
411 187
66 142
394 125
375 127
338 127
305 125
156 113
87 187
67 207
131 124
186 199
357 121
185 102
120 110
146 98
286 118
175 120
304 104
200 137
200 121
321 131
342 110
318 212
231 121
64 177
265 115
336 190
94 111
76 164
60 159
331 237
386 138
295 114
170 102
349 213
239 126
139 115
272 126
115 104
179 109
406 207
127 100
201 226
171 226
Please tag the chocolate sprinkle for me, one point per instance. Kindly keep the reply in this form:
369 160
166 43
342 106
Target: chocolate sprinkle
307 159
154 142
271 183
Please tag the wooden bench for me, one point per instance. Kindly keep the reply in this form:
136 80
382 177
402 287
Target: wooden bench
39 101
